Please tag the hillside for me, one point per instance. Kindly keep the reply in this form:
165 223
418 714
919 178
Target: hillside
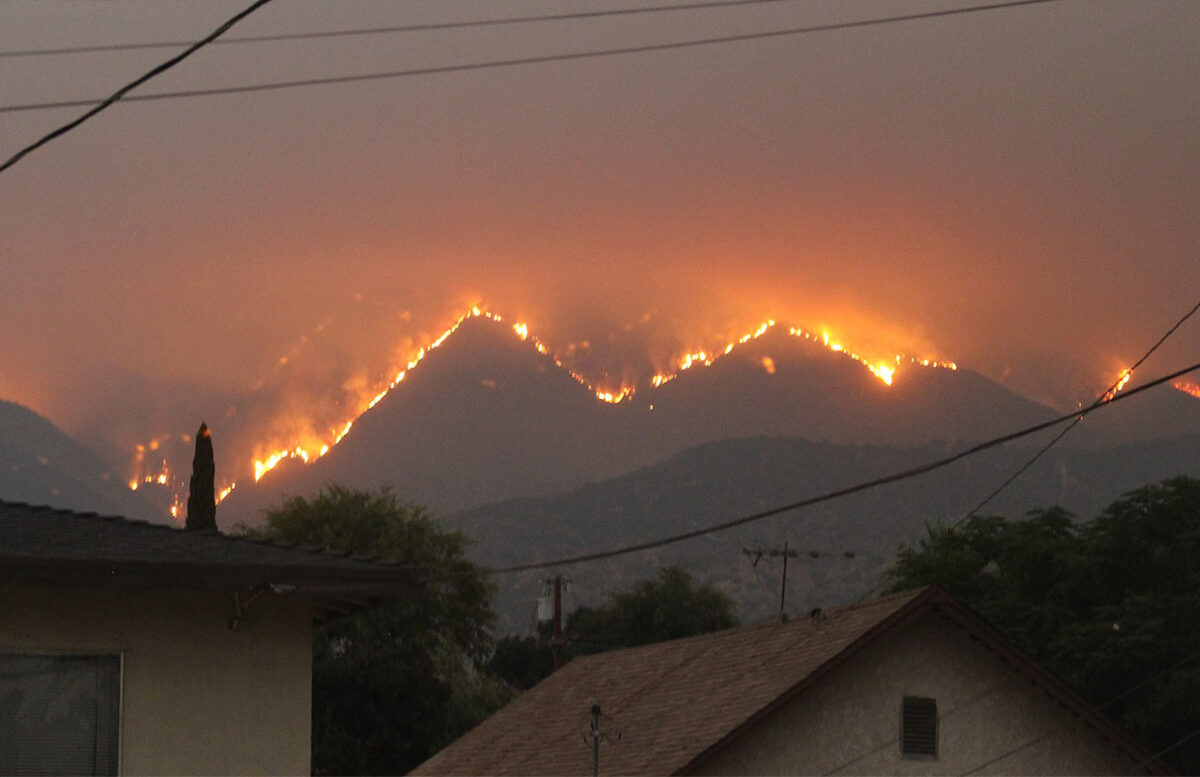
40 464
731 478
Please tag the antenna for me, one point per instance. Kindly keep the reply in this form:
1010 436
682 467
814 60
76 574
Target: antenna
786 553
756 554
590 730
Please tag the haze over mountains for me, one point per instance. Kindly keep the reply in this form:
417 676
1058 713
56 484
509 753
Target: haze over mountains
505 444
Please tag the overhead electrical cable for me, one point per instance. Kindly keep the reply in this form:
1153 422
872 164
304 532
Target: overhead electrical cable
532 60
426 27
841 492
120 93
1029 463
1111 389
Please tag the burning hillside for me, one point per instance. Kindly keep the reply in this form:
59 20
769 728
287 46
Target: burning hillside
291 434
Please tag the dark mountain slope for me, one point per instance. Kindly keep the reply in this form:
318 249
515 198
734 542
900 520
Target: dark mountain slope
732 478
484 416
1160 413
40 464
780 384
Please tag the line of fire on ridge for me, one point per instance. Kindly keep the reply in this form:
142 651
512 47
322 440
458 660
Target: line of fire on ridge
1187 387
883 370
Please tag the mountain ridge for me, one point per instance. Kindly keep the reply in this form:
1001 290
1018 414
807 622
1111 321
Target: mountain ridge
490 415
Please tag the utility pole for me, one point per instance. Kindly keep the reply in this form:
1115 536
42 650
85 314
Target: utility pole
559 642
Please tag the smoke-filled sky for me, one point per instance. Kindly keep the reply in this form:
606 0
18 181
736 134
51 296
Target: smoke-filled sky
1015 190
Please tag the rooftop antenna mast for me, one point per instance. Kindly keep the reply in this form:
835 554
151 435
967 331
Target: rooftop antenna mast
590 729
756 554
786 553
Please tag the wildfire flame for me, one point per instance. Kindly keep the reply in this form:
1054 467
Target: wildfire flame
1126 374
1187 387
311 445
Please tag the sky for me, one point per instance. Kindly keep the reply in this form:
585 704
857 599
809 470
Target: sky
1013 190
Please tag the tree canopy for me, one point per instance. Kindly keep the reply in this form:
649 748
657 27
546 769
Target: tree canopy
393 685
668 606
202 500
1112 605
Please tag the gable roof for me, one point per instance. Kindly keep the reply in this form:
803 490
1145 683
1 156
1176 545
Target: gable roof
48 546
687 698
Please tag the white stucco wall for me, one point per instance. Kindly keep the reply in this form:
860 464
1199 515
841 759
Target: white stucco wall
197 697
849 722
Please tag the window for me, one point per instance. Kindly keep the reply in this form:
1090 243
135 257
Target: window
919 727
59 713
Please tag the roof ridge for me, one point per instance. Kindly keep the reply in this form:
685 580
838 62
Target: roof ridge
877 600
792 624
217 533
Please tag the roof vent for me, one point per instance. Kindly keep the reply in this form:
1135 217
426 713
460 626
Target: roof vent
919 727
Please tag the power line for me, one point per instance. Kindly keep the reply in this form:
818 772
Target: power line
1099 400
1063 433
117 95
533 60
841 492
432 26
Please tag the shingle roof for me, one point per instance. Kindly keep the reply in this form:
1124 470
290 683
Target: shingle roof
675 702
673 699
48 546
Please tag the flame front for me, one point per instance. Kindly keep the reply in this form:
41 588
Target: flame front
1187 387
1120 383
312 449
310 444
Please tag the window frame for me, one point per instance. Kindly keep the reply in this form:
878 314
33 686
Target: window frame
98 653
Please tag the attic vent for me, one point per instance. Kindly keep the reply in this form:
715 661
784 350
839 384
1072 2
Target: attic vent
919 727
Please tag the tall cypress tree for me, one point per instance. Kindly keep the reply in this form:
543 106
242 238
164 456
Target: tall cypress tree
202 496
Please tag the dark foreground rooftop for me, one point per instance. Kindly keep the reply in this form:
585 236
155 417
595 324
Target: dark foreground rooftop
47 546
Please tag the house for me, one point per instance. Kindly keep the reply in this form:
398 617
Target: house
912 683
134 648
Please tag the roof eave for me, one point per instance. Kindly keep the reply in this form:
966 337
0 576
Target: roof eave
334 592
